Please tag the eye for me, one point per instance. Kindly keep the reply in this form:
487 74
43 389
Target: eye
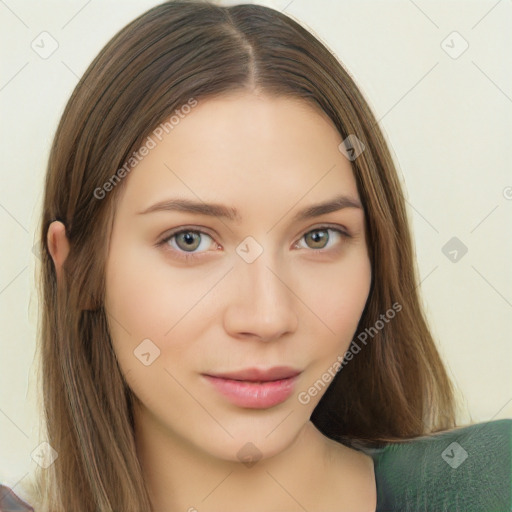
187 242
321 237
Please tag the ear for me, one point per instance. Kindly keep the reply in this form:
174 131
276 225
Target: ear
58 245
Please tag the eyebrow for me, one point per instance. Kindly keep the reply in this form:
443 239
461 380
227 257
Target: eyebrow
219 210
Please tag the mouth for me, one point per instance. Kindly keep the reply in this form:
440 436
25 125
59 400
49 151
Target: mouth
255 388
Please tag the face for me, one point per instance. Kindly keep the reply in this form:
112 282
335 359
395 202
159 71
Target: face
222 319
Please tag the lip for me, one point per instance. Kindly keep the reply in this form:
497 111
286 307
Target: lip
255 388
259 374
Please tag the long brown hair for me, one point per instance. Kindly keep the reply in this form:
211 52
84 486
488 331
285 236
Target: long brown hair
397 388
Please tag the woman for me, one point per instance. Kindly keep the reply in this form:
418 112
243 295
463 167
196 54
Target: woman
230 304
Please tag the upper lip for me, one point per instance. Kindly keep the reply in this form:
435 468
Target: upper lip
259 374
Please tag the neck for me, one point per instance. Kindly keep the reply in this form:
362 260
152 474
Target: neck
182 477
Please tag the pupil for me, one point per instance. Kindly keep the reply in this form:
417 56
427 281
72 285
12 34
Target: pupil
318 237
189 239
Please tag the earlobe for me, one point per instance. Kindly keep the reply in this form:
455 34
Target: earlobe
58 245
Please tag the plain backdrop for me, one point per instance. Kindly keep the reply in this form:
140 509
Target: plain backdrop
445 109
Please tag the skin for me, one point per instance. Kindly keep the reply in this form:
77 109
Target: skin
297 304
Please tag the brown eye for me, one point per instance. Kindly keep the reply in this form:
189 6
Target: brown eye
188 240
317 239
323 238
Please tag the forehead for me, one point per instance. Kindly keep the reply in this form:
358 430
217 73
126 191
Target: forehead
243 147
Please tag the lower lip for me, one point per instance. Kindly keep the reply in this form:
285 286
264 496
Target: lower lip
254 395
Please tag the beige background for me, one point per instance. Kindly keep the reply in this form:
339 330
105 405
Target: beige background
448 121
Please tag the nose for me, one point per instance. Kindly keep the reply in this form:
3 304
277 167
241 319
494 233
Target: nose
261 303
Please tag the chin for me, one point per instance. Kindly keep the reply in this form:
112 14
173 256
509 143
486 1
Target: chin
252 440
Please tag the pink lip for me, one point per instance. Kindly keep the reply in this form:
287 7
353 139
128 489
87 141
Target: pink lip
254 388
259 374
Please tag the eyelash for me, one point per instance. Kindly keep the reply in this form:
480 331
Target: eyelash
188 256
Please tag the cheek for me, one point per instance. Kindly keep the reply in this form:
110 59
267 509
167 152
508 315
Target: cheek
171 307
149 308
337 296
338 293
148 299
338 299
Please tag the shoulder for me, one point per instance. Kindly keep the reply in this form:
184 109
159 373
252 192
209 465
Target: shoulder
469 468
10 502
